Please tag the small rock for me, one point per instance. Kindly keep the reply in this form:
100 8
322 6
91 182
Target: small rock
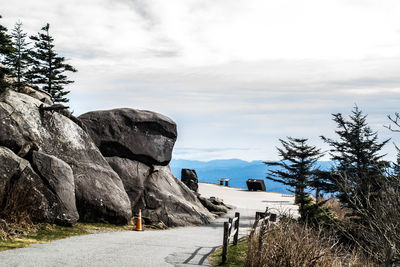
190 179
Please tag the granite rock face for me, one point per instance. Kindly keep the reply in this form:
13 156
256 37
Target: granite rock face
101 167
160 195
25 128
24 192
59 178
138 135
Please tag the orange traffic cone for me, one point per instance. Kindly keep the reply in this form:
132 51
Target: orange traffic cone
139 222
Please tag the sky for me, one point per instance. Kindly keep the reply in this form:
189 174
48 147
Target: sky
235 75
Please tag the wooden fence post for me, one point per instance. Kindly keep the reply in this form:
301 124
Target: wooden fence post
389 257
225 241
235 237
261 236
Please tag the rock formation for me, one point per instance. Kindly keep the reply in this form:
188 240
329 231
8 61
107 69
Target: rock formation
99 192
100 167
24 192
160 195
138 146
190 179
214 205
139 135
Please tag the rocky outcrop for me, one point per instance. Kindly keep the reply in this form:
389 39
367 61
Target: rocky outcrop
214 205
138 146
55 169
25 128
133 175
138 135
190 179
160 195
38 94
59 178
24 192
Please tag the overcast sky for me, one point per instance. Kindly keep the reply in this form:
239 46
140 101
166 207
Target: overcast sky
235 75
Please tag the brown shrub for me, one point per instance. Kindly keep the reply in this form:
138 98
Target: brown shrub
337 209
16 225
292 244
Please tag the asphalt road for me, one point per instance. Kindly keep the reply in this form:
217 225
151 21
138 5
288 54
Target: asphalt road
186 246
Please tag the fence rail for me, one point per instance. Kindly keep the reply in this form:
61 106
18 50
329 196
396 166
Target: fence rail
231 229
390 258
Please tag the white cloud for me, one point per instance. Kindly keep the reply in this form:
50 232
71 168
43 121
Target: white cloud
237 73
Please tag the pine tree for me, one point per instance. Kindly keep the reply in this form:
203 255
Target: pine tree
359 171
320 181
18 60
296 168
49 68
5 50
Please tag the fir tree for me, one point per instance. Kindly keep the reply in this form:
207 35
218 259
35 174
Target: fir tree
49 68
18 60
5 50
296 168
359 173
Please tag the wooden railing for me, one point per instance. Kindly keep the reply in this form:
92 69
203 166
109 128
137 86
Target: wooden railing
390 258
231 229
262 221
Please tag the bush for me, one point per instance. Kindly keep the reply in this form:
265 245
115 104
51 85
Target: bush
292 244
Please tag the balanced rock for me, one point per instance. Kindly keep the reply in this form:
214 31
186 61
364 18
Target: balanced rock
190 179
139 135
160 195
23 192
99 192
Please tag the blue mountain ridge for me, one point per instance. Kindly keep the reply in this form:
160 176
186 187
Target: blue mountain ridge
235 169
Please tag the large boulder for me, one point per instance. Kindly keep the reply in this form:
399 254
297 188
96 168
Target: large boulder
26 127
59 178
160 195
139 135
190 179
133 175
24 193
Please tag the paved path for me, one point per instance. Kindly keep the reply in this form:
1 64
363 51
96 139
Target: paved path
188 246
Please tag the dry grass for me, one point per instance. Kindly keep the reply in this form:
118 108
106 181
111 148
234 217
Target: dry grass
292 244
20 232
337 209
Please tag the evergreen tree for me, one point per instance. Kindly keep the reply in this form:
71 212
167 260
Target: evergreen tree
359 173
296 168
396 165
49 68
320 181
18 60
5 50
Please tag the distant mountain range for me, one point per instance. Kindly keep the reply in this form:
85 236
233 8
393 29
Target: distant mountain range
235 169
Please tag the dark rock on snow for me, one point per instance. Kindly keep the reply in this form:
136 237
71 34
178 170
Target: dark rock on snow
99 192
139 135
190 179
